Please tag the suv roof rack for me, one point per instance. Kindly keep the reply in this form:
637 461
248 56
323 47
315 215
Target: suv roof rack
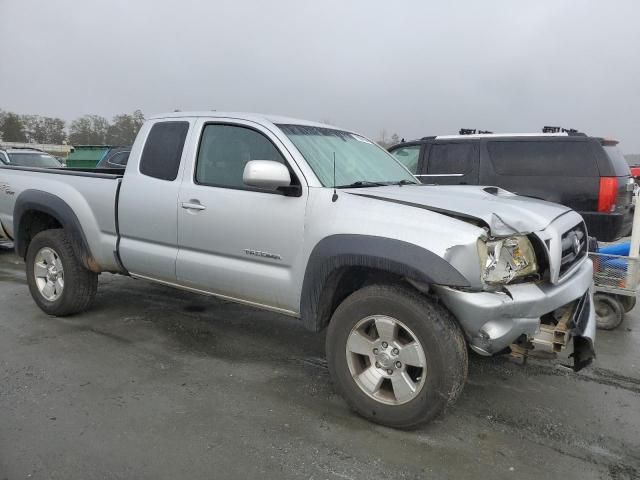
472 131
568 131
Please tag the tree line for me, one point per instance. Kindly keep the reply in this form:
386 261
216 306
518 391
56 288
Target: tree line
92 130
86 130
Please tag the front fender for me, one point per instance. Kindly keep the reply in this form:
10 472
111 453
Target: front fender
386 254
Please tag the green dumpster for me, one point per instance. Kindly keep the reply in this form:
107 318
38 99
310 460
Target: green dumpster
87 156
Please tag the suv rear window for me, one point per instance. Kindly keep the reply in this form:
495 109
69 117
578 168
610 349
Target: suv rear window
163 150
620 165
543 158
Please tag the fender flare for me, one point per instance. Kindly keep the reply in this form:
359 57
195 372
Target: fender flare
40 201
387 254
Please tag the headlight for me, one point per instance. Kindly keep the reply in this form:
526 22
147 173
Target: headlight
506 259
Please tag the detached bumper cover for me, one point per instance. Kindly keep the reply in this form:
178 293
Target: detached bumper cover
492 321
583 332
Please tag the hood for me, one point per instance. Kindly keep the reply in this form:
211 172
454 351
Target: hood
505 213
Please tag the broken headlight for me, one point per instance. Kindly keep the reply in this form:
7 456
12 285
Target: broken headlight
506 259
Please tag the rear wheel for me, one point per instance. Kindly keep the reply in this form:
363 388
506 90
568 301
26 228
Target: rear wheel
609 311
397 358
58 282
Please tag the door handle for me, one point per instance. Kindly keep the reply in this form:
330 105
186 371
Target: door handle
192 206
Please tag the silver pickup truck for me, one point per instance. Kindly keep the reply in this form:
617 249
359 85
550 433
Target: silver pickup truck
323 225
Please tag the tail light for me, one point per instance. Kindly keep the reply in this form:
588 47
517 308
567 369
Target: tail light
635 171
607 195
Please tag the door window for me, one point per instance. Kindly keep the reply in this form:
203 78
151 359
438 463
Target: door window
451 158
408 156
225 150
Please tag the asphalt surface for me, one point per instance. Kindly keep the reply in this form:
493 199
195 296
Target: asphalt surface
155 383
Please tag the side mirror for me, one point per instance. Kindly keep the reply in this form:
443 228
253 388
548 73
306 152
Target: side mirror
266 174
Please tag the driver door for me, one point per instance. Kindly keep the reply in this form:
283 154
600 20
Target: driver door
237 241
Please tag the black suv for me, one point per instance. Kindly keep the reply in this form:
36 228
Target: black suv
587 174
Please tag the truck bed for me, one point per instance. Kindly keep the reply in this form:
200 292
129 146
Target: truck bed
92 194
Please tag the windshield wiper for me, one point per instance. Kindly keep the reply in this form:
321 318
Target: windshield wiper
403 182
363 183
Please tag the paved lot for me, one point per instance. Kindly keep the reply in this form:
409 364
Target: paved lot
155 383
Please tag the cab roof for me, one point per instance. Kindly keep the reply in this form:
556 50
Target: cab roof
253 117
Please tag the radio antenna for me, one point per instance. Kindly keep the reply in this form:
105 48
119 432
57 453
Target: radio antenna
335 193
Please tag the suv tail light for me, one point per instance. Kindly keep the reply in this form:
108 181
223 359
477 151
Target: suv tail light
607 195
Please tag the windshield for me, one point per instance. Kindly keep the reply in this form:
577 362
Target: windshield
33 160
357 160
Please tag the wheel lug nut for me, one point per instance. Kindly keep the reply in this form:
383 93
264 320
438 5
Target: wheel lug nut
385 344
395 351
398 365
390 371
375 351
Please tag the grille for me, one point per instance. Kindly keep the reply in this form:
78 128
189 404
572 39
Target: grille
574 247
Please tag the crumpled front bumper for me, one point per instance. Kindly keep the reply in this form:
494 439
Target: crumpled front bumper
492 321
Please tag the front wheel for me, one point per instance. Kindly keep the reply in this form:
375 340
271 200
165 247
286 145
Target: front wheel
58 282
396 357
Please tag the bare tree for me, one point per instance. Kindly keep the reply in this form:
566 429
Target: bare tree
124 128
88 130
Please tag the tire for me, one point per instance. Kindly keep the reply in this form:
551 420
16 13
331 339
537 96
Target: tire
78 285
627 302
438 384
609 311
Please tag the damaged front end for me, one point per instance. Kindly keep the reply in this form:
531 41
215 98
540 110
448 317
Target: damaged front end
528 317
557 330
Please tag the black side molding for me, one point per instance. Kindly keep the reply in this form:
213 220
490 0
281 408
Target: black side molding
336 252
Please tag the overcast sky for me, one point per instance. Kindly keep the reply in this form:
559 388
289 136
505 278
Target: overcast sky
412 67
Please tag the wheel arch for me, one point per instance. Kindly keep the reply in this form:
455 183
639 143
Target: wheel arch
36 211
340 264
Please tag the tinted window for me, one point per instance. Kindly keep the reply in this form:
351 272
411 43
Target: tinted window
620 165
550 158
226 149
408 156
119 159
451 158
162 152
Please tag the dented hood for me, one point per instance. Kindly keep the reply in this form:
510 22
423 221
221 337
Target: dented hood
505 213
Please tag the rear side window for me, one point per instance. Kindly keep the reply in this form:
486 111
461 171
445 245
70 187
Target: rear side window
543 159
163 150
224 152
408 156
620 165
451 158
